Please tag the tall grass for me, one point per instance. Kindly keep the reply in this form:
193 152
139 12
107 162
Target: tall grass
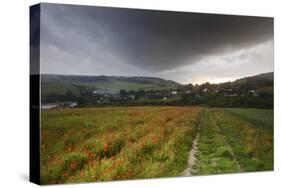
117 143
252 144
98 144
260 118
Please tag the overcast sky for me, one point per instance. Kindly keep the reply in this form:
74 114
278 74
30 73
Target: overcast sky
184 47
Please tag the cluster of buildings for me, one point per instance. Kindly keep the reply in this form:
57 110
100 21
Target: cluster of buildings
231 92
105 96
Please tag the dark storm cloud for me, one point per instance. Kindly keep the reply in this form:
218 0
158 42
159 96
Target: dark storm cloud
34 39
148 40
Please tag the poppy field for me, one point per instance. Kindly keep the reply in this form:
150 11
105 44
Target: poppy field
98 144
120 143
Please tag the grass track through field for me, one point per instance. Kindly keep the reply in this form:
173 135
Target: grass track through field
192 153
214 153
234 140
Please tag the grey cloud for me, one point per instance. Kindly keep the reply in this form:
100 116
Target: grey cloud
152 41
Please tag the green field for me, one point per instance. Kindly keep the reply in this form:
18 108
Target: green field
60 84
113 86
116 143
235 140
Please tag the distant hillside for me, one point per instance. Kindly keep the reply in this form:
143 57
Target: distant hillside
60 84
264 77
261 82
249 92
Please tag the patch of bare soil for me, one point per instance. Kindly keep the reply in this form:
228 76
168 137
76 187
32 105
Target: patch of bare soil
192 153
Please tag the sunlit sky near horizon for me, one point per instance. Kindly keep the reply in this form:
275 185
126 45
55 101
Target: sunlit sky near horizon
184 47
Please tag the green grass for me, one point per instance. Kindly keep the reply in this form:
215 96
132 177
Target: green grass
260 118
251 143
58 88
214 154
158 100
54 84
116 86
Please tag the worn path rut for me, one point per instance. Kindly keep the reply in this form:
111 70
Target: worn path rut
192 153
222 141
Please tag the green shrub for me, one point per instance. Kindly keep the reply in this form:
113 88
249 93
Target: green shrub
114 147
74 162
72 140
102 149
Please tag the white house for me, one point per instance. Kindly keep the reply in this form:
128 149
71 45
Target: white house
132 97
188 91
72 104
205 90
49 106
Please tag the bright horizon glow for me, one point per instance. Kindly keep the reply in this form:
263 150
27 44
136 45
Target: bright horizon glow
200 81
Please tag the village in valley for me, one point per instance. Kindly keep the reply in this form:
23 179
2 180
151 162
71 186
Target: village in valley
229 93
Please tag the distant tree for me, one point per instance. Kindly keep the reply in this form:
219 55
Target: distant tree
140 93
189 86
123 92
68 93
53 97
131 92
69 96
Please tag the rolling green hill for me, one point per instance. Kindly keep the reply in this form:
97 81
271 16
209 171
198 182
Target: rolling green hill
59 84
263 78
263 83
